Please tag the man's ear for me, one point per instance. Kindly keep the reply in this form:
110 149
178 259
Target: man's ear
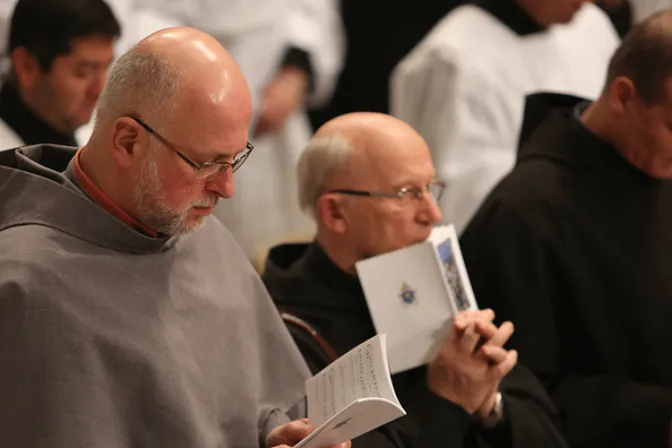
26 68
125 136
330 210
622 93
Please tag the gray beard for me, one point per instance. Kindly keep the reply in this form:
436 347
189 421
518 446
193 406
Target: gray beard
153 212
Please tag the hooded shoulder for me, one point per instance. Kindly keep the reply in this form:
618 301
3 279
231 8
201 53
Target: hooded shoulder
35 191
284 276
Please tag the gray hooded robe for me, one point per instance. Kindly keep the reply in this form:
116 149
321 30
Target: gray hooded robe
109 338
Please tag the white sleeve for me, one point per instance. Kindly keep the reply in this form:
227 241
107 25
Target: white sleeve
6 10
315 27
470 127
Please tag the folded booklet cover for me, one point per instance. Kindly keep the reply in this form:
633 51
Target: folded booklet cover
352 396
413 293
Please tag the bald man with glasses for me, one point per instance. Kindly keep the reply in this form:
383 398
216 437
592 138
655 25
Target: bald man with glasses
368 181
129 317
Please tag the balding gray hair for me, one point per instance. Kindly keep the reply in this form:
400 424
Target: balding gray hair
325 157
140 82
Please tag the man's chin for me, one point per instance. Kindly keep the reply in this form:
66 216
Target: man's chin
194 223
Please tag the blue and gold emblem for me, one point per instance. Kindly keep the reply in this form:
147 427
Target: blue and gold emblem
407 294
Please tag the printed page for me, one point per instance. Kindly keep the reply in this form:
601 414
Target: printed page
419 349
352 396
360 373
406 293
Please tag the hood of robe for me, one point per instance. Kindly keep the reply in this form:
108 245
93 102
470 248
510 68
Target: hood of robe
36 188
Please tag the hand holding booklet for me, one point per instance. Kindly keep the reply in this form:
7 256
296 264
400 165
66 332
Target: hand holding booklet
413 293
351 396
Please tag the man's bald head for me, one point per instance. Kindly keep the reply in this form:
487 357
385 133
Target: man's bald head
372 134
369 181
177 71
354 146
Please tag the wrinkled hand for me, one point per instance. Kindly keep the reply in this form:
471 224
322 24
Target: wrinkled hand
492 349
469 375
282 96
289 434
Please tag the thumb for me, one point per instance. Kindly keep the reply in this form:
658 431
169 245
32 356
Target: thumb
297 430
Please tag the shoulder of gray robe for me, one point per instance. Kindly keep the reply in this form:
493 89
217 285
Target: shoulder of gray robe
111 338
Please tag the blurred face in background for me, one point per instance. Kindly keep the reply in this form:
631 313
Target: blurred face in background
65 95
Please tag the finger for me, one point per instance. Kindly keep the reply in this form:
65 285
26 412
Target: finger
486 330
464 318
291 433
468 339
460 323
501 334
502 369
494 354
487 314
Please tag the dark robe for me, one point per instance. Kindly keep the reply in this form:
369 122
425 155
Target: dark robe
25 123
575 247
621 16
302 280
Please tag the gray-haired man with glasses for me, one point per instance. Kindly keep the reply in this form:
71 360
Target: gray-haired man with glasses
369 182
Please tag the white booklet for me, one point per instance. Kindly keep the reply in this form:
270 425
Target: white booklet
413 293
352 396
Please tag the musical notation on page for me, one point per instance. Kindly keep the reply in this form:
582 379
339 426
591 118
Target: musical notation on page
351 396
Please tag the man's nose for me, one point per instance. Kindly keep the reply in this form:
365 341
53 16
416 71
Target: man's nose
222 183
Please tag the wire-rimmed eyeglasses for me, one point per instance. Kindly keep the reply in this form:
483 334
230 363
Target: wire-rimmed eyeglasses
434 188
204 168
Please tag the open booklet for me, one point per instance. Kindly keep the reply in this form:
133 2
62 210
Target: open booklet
412 294
352 396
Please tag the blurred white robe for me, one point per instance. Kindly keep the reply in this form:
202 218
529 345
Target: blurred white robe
463 89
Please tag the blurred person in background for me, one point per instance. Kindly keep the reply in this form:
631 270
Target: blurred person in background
59 53
377 42
574 247
463 87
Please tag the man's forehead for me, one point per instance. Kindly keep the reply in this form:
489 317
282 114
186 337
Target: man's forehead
91 47
394 168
